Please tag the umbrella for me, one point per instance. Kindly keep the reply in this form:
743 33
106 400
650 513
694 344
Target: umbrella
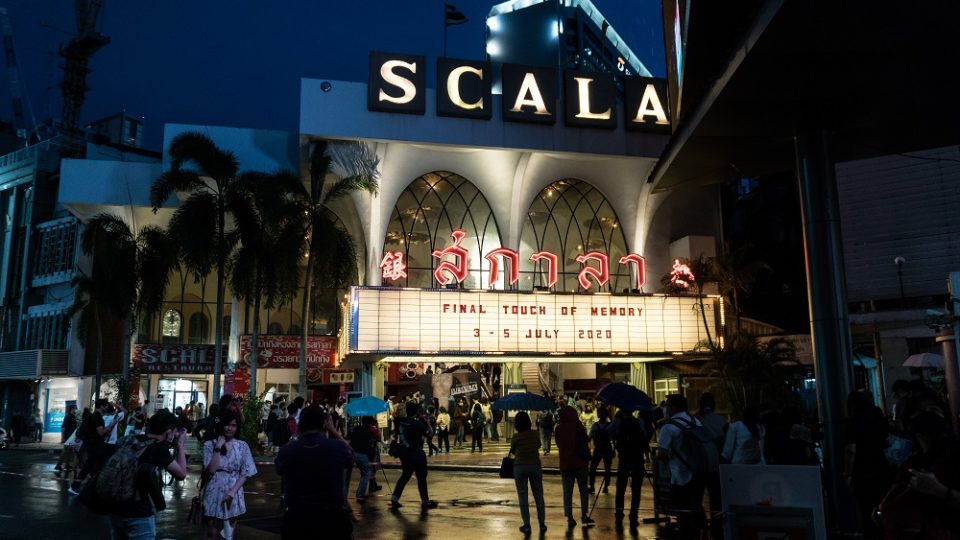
523 401
924 360
366 406
626 397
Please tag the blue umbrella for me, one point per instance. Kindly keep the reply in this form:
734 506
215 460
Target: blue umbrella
523 401
624 396
366 406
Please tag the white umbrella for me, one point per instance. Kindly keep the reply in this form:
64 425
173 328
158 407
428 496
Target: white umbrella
924 360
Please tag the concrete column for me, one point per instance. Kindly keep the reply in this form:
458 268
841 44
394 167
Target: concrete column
829 322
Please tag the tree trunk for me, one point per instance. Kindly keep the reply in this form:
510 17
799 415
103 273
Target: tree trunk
306 319
254 352
98 375
218 323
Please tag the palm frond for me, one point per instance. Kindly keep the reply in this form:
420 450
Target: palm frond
211 160
353 158
173 181
194 228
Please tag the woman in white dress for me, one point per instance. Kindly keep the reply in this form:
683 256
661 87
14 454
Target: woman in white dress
229 463
744 442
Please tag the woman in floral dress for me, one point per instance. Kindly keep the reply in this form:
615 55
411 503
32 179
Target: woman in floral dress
229 463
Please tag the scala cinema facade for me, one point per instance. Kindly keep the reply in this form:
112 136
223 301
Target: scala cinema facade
514 225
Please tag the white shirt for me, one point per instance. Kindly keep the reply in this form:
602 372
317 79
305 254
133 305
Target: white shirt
670 436
735 448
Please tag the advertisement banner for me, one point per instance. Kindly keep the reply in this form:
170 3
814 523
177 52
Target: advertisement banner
404 371
390 320
450 386
178 359
236 382
283 352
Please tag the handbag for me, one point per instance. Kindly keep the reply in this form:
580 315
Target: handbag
506 467
394 449
195 517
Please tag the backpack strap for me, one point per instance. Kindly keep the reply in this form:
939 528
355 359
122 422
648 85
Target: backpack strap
683 426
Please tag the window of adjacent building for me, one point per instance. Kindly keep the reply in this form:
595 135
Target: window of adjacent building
427 211
47 331
199 327
664 387
56 248
570 217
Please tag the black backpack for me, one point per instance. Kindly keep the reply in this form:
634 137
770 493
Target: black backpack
602 443
697 449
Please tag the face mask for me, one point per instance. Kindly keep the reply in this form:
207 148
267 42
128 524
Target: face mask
928 424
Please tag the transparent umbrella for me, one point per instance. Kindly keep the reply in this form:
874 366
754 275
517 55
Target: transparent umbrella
924 360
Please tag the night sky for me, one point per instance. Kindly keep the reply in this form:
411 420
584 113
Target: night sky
239 63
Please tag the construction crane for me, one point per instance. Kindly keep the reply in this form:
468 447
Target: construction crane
13 75
77 53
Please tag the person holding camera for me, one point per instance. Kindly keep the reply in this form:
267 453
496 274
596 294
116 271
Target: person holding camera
229 463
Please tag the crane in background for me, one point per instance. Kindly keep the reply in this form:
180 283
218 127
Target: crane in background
13 75
77 53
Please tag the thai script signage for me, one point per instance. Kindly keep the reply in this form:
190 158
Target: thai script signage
397 84
391 320
176 358
595 265
283 352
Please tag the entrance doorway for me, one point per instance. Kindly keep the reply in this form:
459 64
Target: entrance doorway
180 392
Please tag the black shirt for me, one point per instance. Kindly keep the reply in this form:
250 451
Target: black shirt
312 470
88 431
362 441
157 456
411 432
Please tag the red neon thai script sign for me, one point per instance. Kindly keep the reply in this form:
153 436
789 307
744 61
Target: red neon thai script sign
595 265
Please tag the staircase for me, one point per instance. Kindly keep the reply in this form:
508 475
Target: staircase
533 378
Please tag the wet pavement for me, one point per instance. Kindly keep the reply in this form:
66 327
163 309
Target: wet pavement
474 503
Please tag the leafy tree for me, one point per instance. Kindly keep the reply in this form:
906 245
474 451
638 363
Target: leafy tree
199 225
130 272
752 372
265 266
331 252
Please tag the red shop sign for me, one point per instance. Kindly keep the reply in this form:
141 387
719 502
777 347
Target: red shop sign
182 359
283 352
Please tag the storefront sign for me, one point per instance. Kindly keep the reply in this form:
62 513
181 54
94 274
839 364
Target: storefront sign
390 320
397 83
236 382
180 359
454 261
283 352
340 377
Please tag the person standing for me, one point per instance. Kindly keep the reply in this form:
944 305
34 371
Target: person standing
134 519
602 449
687 487
66 430
744 441
37 426
229 462
364 445
588 417
312 470
18 425
443 430
477 421
93 433
431 421
545 423
574 458
460 421
716 426
633 441
525 447
866 469
496 418
410 433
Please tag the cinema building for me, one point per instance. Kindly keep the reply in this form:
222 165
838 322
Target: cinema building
513 235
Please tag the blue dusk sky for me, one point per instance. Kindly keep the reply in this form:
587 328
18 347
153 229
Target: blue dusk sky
239 63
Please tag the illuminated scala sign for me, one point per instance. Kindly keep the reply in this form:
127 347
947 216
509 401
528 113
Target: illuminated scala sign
595 265
455 321
397 83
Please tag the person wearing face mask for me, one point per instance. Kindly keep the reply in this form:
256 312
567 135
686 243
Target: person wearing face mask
924 500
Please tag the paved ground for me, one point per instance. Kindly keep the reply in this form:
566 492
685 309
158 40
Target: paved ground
474 503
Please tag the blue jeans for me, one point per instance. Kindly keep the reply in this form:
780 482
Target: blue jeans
546 439
534 475
363 464
567 477
122 528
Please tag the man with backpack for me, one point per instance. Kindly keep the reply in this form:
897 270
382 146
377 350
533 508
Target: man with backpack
692 456
633 441
602 449
130 483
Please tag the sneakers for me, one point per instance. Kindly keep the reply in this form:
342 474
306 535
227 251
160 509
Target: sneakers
361 499
429 504
587 521
590 490
605 489
525 529
73 490
377 487
571 523
394 504
543 527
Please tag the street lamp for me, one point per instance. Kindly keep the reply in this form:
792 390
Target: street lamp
899 260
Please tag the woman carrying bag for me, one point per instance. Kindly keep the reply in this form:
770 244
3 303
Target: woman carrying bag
525 447
229 462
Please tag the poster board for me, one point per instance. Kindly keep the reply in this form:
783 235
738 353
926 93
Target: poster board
772 501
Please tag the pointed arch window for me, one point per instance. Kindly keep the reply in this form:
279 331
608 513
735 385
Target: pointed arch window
570 217
425 215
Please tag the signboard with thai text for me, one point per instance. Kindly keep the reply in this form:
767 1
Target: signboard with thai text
391 320
181 359
282 352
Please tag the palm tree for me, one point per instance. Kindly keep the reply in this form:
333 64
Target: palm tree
735 272
265 266
199 224
129 277
331 252
752 372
